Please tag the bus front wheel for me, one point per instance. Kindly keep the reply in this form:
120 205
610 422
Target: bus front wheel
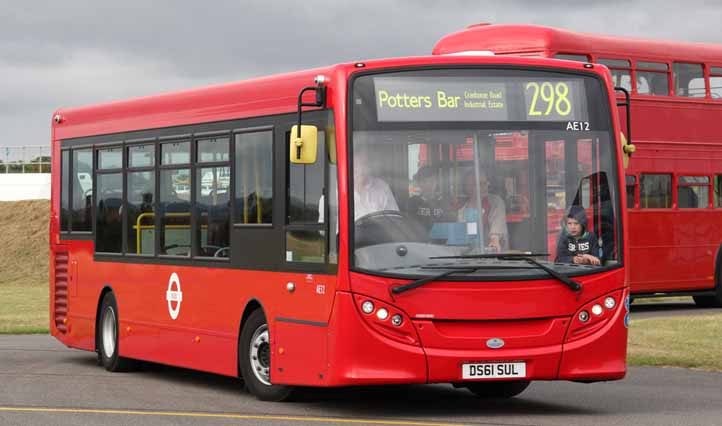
254 356
108 341
497 389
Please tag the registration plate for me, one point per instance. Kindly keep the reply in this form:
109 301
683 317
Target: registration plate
493 370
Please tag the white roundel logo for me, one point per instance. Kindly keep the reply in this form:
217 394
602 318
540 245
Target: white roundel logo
174 295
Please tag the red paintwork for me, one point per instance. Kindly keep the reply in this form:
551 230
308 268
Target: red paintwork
671 249
532 316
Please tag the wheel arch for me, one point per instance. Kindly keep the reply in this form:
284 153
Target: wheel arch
252 305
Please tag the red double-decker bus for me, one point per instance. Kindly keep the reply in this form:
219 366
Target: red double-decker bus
206 229
674 179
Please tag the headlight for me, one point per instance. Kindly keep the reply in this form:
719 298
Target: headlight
583 316
597 310
382 314
367 307
609 302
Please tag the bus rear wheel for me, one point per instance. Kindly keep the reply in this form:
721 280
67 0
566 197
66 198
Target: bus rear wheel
498 389
254 357
107 330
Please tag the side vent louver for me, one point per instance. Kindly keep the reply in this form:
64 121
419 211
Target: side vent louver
60 307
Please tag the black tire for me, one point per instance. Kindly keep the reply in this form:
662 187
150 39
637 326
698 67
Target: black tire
107 332
498 389
255 365
709 301
713 300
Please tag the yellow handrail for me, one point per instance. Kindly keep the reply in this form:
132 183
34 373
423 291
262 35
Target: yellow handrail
138 226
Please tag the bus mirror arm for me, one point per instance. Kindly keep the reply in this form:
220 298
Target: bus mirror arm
628 148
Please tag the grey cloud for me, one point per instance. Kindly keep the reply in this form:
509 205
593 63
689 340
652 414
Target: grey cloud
69 53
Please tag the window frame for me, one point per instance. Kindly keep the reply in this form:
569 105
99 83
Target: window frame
704 79
680 184
194 167
288 226
98 171
175 166
636 68
672 192
127 169
246 254
234 170
713 71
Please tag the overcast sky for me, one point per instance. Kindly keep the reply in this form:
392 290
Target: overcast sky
71 53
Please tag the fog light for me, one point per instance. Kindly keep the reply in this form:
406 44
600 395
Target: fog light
610 303
367 307
597 310
382 314
583 316
396 320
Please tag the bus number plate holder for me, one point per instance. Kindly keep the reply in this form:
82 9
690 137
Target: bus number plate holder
493 370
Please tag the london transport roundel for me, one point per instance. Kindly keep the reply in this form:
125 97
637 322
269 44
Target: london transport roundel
174 295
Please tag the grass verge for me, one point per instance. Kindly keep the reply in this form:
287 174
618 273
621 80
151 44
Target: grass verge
24 309
681 341
645 300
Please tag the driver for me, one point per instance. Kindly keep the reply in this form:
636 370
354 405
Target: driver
371 194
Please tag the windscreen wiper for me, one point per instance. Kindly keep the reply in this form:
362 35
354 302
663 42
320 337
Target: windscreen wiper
450 269
418 283
527 257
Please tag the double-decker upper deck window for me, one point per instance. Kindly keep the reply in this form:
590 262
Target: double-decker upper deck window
621 72
82 190
652 78
688 80
715 82
693 192
655 191
572 57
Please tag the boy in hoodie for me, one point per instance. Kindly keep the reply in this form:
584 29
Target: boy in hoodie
579 246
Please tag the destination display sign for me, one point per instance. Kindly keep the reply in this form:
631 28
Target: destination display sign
417 99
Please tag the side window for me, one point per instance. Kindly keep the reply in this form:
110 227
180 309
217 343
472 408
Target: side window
305 237
621 72
572 57
652 78
109 201
717 191
65 191
631 184
213 201
141 199
254 177
82 183
715 82
693 192
688 80
174 197
655 191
